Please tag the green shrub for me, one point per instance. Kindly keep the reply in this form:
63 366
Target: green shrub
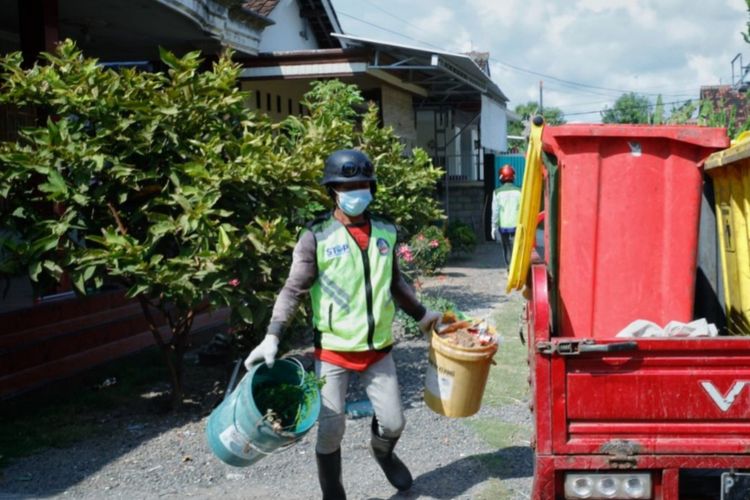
425 253
462 237
431 302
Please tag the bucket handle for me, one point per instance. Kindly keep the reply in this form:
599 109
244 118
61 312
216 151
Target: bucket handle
233 378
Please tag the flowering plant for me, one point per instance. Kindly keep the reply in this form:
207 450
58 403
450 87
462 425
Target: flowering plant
425 253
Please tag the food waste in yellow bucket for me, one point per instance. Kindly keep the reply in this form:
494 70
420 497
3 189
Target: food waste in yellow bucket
460 356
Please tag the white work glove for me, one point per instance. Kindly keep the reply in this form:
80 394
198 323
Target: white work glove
494 234
267 350
429 321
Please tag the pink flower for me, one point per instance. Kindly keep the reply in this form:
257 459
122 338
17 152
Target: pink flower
405 253
234 282
434 244
420 237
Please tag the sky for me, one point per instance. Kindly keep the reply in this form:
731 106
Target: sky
587 53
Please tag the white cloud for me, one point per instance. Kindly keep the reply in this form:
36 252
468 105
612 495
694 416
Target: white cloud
439 22
605 47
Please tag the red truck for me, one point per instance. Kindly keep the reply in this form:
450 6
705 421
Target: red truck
630 234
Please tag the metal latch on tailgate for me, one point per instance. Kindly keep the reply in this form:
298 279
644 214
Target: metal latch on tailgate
623 453
575 347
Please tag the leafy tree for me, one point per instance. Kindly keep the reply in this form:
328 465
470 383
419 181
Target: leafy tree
167 185
722 116
158 182
628 108
746 34
406 184
552 116
682 113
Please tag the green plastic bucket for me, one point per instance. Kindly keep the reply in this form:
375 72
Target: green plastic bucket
238 432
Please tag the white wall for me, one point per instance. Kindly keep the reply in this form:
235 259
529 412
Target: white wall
285 34
494 125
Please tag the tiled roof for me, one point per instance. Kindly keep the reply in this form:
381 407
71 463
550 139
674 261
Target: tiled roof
262 7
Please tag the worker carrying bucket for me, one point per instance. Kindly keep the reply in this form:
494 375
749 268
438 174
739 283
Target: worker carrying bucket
460 356
345 260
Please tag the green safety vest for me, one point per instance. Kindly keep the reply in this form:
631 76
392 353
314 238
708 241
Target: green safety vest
352 305
507 200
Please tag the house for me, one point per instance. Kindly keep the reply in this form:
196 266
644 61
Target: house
442 102
51 335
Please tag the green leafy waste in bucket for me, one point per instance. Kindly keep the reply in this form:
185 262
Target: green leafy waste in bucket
240 433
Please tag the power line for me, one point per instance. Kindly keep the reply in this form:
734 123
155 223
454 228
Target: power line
576 86
388 30
628 108
391 14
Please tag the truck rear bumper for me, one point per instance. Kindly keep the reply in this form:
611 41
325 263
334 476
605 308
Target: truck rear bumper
668 473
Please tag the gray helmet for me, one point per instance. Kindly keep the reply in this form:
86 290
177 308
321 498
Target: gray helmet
348 165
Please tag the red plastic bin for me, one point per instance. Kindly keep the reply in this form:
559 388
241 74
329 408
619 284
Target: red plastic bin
629 207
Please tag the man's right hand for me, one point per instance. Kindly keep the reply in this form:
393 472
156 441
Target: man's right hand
494 234
266 350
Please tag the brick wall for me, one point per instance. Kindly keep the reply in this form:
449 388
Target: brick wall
466 203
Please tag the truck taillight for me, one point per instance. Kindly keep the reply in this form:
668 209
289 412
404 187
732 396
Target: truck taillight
606 486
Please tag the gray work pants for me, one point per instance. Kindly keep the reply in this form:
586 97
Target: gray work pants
380 383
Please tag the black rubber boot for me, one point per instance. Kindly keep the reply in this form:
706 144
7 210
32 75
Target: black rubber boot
395 470
329 475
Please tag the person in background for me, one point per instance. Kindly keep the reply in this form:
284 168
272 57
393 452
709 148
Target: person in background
345 261
505 205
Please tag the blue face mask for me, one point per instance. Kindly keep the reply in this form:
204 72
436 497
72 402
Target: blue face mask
355 202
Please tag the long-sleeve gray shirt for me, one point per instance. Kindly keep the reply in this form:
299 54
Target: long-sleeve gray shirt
302 276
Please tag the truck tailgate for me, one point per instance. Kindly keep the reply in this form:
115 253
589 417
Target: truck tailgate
665 396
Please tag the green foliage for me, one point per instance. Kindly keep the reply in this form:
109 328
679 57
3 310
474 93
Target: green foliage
746 34
287 405
722 116
628 108
462 237
682 113
406 183
425 253
166 184
431 302
552 116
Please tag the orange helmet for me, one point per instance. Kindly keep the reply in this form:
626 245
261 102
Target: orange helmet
507 174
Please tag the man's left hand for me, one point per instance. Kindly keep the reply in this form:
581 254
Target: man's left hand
429 321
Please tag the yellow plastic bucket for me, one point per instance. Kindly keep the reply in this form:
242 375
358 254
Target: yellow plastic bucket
456 377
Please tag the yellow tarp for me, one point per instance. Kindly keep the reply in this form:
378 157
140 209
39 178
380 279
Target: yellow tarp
531 199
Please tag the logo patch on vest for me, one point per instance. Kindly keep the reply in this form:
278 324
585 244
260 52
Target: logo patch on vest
337 251
383 246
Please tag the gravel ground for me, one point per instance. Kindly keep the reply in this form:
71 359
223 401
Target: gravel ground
148 455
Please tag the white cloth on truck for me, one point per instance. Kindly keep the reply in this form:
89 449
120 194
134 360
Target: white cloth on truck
642 328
